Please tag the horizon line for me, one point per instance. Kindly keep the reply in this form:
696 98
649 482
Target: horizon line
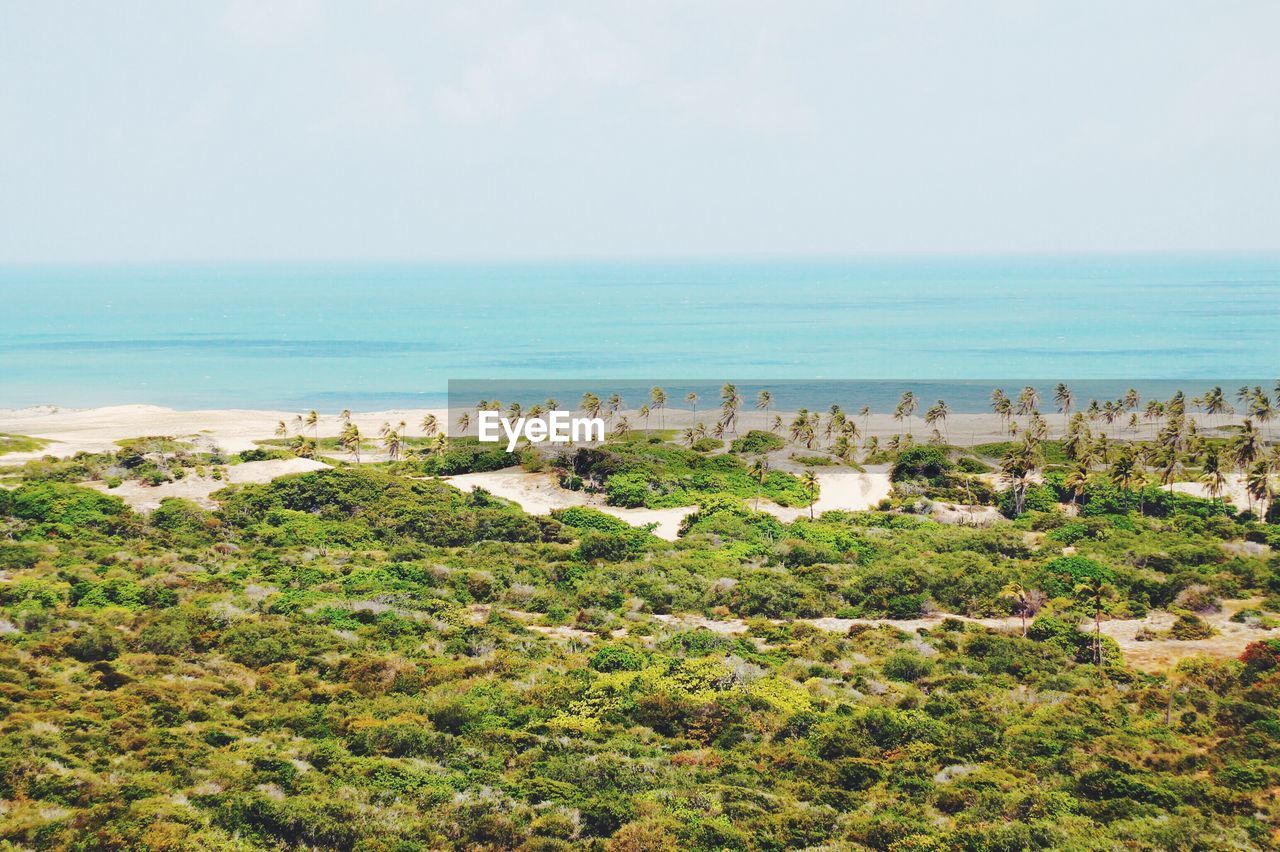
622 257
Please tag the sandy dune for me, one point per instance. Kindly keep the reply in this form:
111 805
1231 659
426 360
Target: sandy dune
538 494
97 429
144 498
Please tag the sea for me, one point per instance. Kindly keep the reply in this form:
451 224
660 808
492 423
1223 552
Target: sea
372 336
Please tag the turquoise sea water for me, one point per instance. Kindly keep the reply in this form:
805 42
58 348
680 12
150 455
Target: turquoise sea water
370 336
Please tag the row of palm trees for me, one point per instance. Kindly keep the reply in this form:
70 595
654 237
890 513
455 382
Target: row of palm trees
1255 402
391 438
1130 466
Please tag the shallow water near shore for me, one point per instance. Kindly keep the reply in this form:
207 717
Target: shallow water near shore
392 335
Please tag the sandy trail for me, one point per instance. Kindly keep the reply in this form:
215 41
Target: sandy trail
539 494
1153 656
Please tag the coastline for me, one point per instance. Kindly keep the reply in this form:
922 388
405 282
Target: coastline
73 430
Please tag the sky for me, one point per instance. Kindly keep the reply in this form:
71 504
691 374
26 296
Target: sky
494 129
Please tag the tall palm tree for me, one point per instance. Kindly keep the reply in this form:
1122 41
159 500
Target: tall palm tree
644 414
730 402
1260 483
1077 480
1028 400
298 424
430 425
345 416
281 429
865 413
938 414
1017 468
552 404
777 424
907 406
1132 399
799 425
1024 601
809 480
392 444
1215 403
1001 405
590 404
464 422
689 437
1247 447
764 399
349 439
1095 592
692 399
1064 399
313 422
615 405
1213 477
623 428
658 398
759 472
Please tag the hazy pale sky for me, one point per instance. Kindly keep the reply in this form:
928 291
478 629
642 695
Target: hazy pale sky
259 129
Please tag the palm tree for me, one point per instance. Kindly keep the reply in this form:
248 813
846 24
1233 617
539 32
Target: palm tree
799 426
345 416
1096 592
777 424
392 444
615 405
298 424
464 422
689 437
764 399
1064 398
1215 403
430 425
1017 468
1076 481
1025 601
1260 484
644 413
349 439
809 480
1213 478
938 414
730 402
590 404
440 444
1247 446
1132 399
1028 400
313 421
658 397
623 427
281 429
1000 405
692 399
759 472
552 404
1076 436
907 406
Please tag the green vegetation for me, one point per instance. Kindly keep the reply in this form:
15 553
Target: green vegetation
367 658
658 475
20 444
